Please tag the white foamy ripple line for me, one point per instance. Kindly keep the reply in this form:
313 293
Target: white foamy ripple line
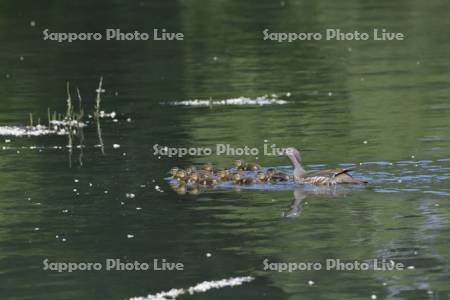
264 100
25 131
198 288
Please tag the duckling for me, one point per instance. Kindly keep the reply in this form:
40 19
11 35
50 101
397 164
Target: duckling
173 171
208 167
228 177
180 187
280 176
222 173
245 166
181 175
275 175
208 181
249 180
238 178
190 170
199 175
193 177
270 172
262 177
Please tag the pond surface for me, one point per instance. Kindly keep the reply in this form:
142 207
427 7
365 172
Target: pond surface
380 108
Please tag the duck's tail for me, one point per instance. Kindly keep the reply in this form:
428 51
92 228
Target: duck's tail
346 178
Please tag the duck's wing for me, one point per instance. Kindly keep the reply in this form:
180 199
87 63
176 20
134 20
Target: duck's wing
329 177
330 173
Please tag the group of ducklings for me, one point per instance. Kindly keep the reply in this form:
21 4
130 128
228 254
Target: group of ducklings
209 176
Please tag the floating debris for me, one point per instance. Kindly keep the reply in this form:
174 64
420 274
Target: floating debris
111 115
198 288
130 195
310 282
208 254
116 146
130 236
258 101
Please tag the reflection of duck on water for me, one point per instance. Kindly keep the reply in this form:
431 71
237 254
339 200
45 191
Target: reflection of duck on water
323 177
301 192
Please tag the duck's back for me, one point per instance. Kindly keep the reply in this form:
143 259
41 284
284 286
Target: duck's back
329 177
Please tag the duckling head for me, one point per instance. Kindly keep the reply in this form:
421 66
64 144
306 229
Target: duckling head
190 170
237 177
270 172
179 187
193 177
173 171
260 175
181 175
208 167
222 173
239 163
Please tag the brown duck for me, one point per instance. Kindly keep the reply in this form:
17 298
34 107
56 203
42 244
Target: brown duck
323 177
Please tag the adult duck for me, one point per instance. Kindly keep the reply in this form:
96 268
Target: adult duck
323 177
